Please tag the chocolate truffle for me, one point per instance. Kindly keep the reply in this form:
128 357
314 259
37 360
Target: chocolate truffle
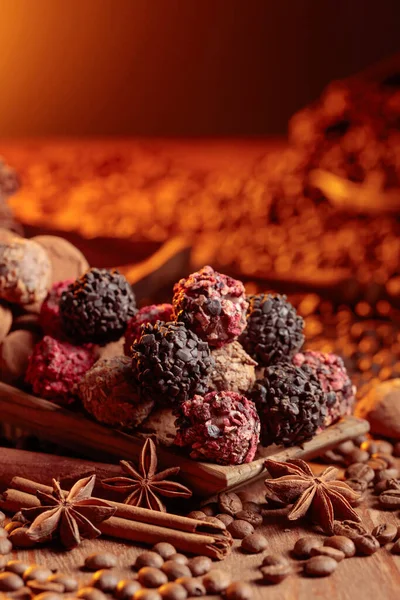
97 307
14 355
212 305
49 316
24 271
381 407
55 367
67 261
333 377
110 394
147 314
234 370
291 404
170 362
274 331
221 427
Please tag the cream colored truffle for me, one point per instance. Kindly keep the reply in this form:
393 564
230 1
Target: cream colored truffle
234 370
381 407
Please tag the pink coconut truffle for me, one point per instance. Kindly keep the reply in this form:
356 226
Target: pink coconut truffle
147 314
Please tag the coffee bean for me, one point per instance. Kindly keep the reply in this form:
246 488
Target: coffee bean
252 506
37 572
240 529
357 456
360 439
303 546
5 545
210 510
19 538
147 595
337 555
216 581
164 549
152 577
320 566
91 593
396 547
100 560
16 566
350 529
390 499
377 464
68 582
254 543
251 517
13 525
385 533
105 580
225 519
358 485
366 544
126 588
385 447
23 593
396 450
148 558
199 565
9 582
37 587
174 570
274 559
389 459
229 503
196 514
275 573
172 591
179 558
3 562
49 596
239 590
360 471
370 446
345 447
342 543
387 474
380 487
2 517
193 586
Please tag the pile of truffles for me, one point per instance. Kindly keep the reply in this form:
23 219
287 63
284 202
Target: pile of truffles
228 368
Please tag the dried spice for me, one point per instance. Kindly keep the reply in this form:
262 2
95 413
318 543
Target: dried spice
71 517
145 485
322 497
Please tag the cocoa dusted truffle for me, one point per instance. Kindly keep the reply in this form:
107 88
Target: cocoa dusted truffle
147 314
291 404
97 307
25 271
55 367
221 427
234 370
170 362
110 394
333 377
212 305
274 331
49 316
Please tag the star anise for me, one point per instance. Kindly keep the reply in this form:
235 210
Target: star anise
145 485
324 497
71 516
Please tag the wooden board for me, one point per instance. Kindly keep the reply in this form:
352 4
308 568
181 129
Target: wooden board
73 430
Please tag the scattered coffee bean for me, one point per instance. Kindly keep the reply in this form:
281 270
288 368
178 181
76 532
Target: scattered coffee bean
303 546
23 593
333 457
385 447
196 514
358 485
37 572
5 545
147 595
174 570
274 559
350 529
320 566
396 547
370 446
239 590
252 506
341 543
360 471
229 503
385 533
100 560
396 450
9 582
240 529
337 555
380 487
387 458
2 517
179 558
105 580
199 565
3 562
366 544
126 588
149 558
164 549
390 499
250 516
193 586
377 464
225 519
91 593
49 596
16 566
13 525
37 587
172 591
152 577
275 573
68 582
216 581
357 456
345 447
19 538
386 474
254 543
210 510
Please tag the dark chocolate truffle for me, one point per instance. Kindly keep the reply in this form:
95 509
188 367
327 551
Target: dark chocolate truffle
291 404
234 370
97 307
147 314
221 427
274 330
170 362
213 305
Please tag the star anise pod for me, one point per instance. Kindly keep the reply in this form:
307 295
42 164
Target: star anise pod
71 516
323 497
145 485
